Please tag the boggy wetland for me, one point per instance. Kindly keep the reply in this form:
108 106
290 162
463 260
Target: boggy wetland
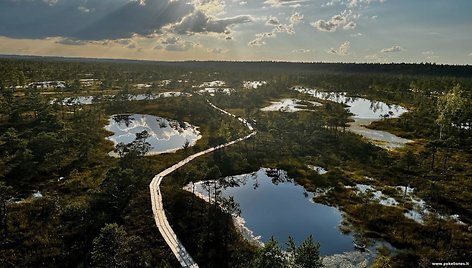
234 164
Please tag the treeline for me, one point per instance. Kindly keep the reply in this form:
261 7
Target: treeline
15 71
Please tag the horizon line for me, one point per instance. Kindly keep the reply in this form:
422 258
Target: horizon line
2 56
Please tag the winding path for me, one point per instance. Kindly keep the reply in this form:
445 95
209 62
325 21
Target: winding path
156 198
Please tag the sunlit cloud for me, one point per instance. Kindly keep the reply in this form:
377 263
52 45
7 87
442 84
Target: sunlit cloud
260 39
199 22
174 43
279 27
346 20
342 50
296 18
210 6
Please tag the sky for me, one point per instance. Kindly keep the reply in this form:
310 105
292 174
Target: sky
437 31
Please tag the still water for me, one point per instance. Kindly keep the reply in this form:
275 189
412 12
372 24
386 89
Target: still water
88 100
274 205
364 112
165 135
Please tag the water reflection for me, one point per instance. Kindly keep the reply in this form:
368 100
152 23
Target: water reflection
359 107
164 135
272 204
122 119
290 105
88 100
364 112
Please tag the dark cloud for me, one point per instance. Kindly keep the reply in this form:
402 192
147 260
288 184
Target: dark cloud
88 20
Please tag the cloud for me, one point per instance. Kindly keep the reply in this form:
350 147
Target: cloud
470 54
296 18
199 22
361 3
393 49
174 43
279 27
282 3
331 3
141 2
260 39
217 50
50 2
350 26
430 55
343 49
301 51
272 21
357 35
84 9
344 20
210 6
88 20
70 42
375 58
351 3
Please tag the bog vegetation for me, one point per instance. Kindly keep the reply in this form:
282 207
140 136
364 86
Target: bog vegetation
90 209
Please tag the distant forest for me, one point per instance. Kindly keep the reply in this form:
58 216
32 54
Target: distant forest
429 69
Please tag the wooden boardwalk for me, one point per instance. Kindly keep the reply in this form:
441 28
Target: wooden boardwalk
156 198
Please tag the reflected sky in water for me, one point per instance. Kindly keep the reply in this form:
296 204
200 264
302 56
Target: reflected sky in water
360 107
364 112
276 206
165 135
